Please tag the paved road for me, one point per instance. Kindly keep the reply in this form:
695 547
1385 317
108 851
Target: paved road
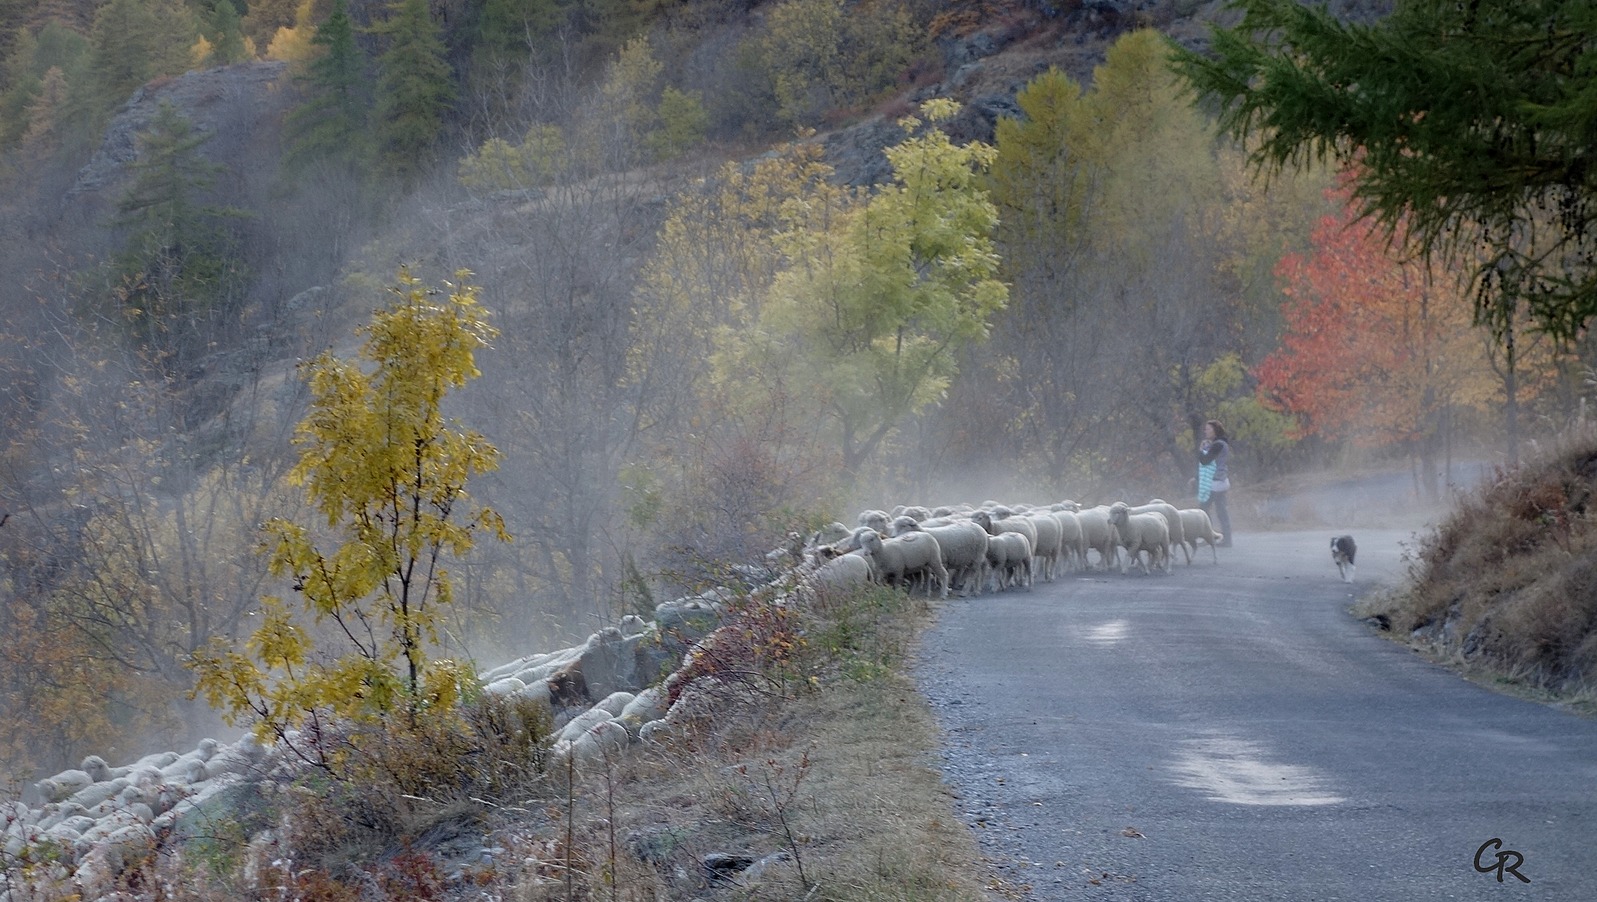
1232 732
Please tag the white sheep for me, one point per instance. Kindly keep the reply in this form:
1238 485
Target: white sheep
997 522
46 817
1009 560
902 524
1195 525
156 760
1137 533
601 745
875 519
1072 541
64 785
899 559
1045 550
831 532
101 772
1173 518
110 856
841 574
1099 534
582 723
650 705
95 793
616 702
66 833
964 547
854 541
246 754
188 769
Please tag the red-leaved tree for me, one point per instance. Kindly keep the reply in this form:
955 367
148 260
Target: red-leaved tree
1377 349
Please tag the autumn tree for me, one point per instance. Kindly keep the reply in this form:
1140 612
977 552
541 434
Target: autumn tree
383 466
1468 122
121 552
728 453
819 55
876 299
1378 348
291 41
264 20
49 88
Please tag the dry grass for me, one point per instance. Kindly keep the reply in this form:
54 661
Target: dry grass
840 785
1506 588
832 782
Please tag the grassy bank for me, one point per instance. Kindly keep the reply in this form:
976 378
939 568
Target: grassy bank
1505 588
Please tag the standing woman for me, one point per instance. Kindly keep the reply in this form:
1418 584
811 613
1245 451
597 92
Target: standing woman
1214 454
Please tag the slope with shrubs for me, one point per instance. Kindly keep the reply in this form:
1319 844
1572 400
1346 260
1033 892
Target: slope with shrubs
1506 587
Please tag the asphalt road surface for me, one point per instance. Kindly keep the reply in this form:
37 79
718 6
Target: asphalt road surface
1231 731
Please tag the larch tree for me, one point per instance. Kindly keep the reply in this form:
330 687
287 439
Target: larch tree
182 272
225 33
331 123
1108 200
415 88
133 41
1471 125
387 470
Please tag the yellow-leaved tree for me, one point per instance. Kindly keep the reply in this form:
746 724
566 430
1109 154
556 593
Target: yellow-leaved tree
387 471
877 297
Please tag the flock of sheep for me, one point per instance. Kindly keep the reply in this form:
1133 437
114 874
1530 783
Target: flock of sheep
972 550
96 818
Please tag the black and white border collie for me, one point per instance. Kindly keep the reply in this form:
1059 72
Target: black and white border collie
1343 549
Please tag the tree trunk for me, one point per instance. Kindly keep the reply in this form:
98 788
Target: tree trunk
1511 393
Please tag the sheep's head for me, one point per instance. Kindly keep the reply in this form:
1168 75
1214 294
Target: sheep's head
902 525
871 541
96 768
985 521
874 519
1119 512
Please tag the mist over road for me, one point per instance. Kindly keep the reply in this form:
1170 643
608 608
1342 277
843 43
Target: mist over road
1232 732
